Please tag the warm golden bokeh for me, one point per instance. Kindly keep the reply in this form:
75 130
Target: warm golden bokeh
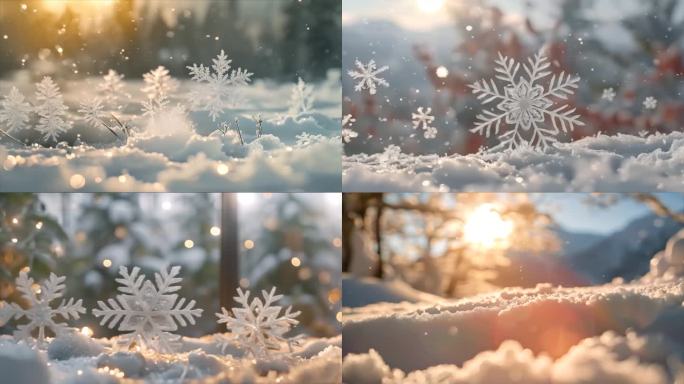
485 227
79 6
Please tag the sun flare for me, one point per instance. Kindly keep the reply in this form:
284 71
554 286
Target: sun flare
486 228
430 6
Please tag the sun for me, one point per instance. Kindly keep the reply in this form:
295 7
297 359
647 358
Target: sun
430 6
485 227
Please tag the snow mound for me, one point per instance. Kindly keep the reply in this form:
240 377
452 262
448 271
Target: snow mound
593 164
358 292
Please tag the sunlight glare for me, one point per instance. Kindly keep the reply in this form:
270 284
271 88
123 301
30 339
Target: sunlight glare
486 228
430 6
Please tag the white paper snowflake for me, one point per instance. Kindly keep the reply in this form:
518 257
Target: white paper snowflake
367 74
608 94
257 326
51 109
347 132
149 312
422 119
91 109
302 98
14 111
650 103
219 87
39 313
525 104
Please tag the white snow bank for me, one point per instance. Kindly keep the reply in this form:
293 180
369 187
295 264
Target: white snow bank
358 292
603 163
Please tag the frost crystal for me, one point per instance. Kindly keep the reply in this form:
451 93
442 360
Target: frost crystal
302 98
149 312
525 104
219 87
158 86
15 110
608 94
51 110
347 132
650 103
256 325
423 120
368 76
92 111
40 314
111 86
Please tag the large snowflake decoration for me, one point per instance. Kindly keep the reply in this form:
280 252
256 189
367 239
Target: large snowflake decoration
149 312
367 74
525 104
423 119
220 86
257 325
39 313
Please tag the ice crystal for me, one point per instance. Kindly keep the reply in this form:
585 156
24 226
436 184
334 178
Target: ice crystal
422 119
302 98
367 75
219 87
92 112
39 313
51 109
15 110
608 94
158 86
525 104
257 325
650 103
149 312
347 132
111 86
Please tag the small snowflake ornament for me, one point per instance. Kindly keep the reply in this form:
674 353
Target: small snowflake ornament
367 75
150 312
525 105
423 119
92 111
51 110
258 325
650 103
302 99
39 313
14 111
608 94
111 86
347 132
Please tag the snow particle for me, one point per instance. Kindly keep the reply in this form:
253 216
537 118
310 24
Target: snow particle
650 103
367 74
442 72
215 231
189 244
296 261
469 28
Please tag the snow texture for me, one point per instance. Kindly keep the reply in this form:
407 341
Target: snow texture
257 325
367 76
40 314
151 313
624 163
51 110
525 104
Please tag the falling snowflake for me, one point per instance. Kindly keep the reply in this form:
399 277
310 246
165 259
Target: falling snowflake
347 132
51 109
650 103
257 325
220 86
302 98
608 94
40 314
422 119
150 313
14 110
92 112
525 104
111 86
368 76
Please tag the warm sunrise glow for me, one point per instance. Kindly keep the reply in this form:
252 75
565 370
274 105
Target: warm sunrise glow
58 6
486 228
430 6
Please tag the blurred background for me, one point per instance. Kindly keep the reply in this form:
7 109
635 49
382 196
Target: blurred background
422 247
435 48
256 241
279 39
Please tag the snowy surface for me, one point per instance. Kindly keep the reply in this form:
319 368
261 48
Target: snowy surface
621 163
79 359
182 151
358 292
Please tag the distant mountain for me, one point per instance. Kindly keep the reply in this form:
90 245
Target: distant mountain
575 242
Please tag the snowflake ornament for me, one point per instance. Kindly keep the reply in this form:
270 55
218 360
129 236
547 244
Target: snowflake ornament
220 86
111 86
608 94
367 74
302 98
14 111
423 119
525 104
92 112
257 325
650 103
149 312
347 132
40 314
51 109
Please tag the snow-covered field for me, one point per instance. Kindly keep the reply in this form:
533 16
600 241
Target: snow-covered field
624 163
623 332
80 359
180 149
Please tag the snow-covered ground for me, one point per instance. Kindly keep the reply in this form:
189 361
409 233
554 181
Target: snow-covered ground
621 163
80 359
182 151
614 333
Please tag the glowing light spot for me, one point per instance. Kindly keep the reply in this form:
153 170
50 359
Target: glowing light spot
77 181
430 6
15 220
86 331
106 263
295 261
249 244
486 228
189 243
215 231
122 179
337 242
334 295
166 205
39 225
15 240
339 316
222 169
442 72
469 28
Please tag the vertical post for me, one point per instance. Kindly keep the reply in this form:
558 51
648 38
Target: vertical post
229 274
